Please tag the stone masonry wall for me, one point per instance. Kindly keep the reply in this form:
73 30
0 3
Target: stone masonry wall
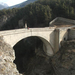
63 36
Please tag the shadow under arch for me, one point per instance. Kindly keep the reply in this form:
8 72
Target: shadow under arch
27 48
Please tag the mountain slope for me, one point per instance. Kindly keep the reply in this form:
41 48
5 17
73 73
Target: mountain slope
23 4
3 5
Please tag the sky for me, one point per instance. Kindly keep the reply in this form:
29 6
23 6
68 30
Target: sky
12 2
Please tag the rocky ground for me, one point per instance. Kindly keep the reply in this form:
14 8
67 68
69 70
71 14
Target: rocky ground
64 60
7 56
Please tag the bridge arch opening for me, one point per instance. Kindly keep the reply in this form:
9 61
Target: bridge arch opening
27 48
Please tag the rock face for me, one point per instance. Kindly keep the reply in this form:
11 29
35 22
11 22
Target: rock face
39 65
7 56
64 60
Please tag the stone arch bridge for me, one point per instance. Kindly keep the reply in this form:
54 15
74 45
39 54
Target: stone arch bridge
50 36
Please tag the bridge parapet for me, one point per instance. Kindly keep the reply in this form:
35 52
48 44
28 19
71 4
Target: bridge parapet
23 30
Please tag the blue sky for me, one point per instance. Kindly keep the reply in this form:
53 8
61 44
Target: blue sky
12 2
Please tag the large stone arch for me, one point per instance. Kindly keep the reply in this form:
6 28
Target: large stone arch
46 45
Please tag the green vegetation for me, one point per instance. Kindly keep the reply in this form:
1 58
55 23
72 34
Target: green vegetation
8 12
40 13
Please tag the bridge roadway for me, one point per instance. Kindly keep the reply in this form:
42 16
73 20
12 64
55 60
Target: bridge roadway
24 30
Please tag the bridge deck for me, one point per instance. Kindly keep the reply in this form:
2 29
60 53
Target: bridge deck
23 30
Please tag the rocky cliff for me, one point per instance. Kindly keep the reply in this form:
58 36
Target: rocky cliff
64 59
7 56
